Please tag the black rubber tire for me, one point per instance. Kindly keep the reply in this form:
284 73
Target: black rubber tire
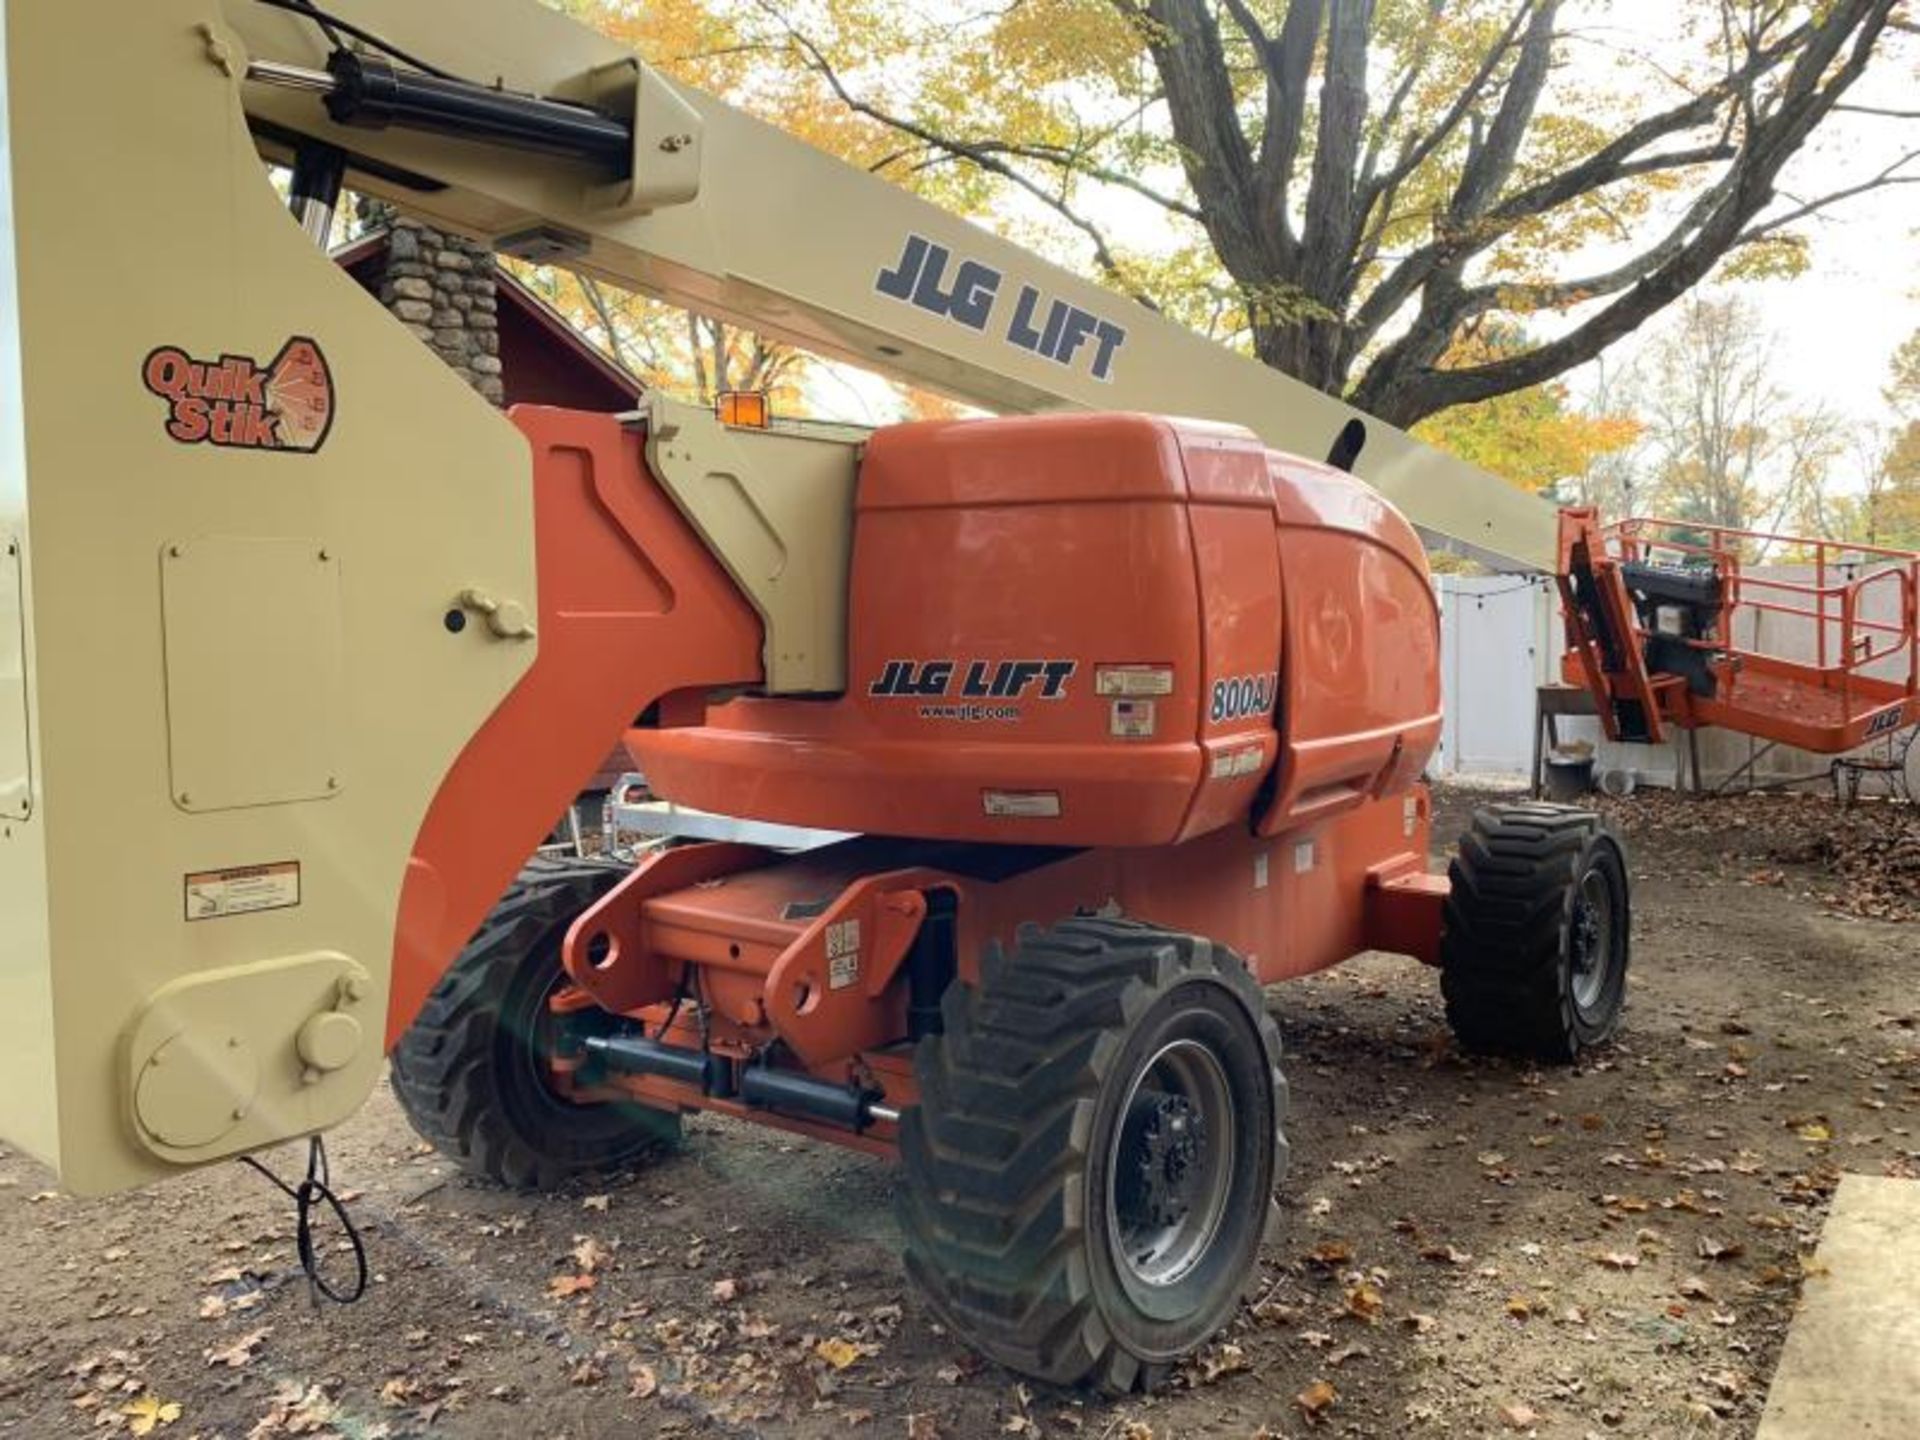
469 1071
1519 932
1007 1159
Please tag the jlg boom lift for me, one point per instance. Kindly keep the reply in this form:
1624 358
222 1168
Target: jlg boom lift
1670 629
304 647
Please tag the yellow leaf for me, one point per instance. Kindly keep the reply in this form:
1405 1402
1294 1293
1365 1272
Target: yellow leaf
837 1353
149 1411
1814 1130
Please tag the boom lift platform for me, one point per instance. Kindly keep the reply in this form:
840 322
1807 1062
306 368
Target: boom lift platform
1126 715
1655 614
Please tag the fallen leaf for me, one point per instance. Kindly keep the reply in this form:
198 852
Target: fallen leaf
1419 1324
1619 1260
1519 1417
589 1254
241 1352
1694 1288
1712 1249
562 1286
726 1291
1445 1255
596 1202
927 1427
1331 1254
1346 1353
1813 1130
1221 1360
1519 1307
149 1411
642 1383
840 1354
1364 1303
1316 1399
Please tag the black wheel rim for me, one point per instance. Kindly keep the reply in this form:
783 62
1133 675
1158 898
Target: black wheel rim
532 1035
1170 1171
1590 940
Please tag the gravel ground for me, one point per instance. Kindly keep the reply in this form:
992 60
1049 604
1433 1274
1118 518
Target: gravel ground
1471 1248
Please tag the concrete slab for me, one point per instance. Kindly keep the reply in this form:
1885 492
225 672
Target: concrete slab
1851 1366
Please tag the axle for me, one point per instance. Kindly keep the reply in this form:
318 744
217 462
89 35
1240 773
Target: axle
758 1086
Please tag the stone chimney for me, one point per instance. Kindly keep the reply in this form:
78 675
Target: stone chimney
441 287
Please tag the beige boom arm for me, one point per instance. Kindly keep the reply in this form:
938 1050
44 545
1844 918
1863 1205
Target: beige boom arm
732 218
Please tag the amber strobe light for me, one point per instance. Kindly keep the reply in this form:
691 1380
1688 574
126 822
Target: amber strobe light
744 407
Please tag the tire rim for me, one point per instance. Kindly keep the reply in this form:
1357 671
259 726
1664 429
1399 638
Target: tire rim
1170 1170
1591 940
535 1035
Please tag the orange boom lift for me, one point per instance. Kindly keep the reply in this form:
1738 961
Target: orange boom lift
1126 716
1668 627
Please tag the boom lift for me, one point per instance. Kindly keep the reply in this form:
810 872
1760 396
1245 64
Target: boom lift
1087 686
1669 628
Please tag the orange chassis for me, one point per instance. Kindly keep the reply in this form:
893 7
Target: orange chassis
710 916
811 976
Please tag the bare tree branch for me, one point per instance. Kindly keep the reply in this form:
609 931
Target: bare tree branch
982 156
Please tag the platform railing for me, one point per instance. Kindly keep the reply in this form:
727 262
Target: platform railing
1844 575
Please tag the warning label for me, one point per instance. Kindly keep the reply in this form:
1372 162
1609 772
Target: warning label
843 954
212 894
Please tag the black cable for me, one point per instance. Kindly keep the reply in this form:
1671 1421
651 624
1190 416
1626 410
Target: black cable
305 1195
327 27
330 24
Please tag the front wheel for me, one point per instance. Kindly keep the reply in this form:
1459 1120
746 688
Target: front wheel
1089 1172
1537 933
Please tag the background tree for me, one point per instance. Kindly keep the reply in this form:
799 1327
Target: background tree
1611 480
1535 438
1728 445
1347 185
669 348
1890 509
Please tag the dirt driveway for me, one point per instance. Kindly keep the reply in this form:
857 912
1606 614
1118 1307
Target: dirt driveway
1471 1248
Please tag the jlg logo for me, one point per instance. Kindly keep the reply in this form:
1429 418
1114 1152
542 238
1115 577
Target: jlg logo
236 403
979 679
1885 721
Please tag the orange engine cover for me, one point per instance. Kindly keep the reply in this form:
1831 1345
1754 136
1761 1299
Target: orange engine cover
1076 630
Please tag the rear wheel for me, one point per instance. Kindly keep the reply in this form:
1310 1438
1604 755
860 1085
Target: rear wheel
1089 1172
1537 933
473 1071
